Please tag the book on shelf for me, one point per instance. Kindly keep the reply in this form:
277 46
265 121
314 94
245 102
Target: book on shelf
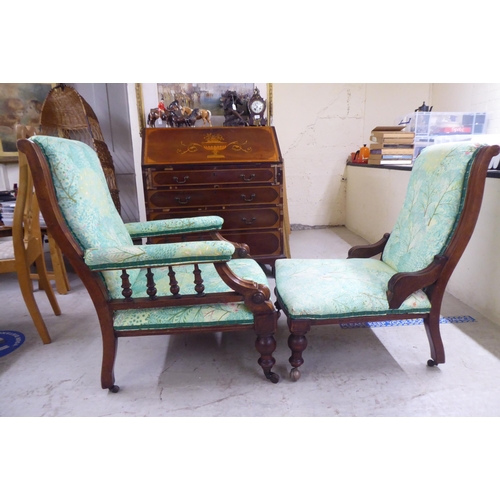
389 162
394 139
390 157
389 128
375 140
378 149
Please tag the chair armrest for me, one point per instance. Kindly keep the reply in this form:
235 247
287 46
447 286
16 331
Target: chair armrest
367 251
402 285
166 254
174 226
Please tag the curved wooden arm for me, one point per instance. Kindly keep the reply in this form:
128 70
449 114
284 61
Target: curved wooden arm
256 295
242 251
367 251
402 285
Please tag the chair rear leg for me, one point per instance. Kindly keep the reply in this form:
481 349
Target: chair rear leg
297 342
431 323
45 284
27 292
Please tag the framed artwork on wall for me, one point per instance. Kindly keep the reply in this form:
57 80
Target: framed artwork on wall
187 97
20 104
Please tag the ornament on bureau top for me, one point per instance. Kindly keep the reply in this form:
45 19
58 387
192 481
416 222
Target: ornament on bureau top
256 108
214 144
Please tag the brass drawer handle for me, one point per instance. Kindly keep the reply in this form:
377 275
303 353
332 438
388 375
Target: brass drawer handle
248 200
244 219
247 179
176 179
182 202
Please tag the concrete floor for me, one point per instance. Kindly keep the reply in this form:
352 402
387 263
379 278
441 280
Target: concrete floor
359 372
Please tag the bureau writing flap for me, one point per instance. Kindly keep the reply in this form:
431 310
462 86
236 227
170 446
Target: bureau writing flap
197 145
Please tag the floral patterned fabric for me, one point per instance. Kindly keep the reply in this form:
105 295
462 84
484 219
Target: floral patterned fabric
204 315
433 203
84 198
339 288
174 226
154 255
187 316
91 216
327 289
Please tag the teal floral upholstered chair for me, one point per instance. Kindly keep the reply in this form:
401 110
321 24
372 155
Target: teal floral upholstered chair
439 213
139 290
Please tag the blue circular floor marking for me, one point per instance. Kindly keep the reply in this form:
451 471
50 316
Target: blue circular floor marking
10 341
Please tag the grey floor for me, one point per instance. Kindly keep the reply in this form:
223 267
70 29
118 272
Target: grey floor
359 372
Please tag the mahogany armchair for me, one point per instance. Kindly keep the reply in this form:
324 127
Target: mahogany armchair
139 290
408 281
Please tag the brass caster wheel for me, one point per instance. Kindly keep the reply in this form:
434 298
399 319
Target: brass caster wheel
273 377
294 374
431 362
114 389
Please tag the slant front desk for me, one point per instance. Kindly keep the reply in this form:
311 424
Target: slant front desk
233 172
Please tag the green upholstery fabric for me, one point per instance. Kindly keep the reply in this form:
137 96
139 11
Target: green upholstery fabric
84 198
91 216
174 226
187 316
339 288
212 314
154 255
328 289
433 203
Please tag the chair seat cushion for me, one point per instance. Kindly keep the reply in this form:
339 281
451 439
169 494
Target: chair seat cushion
6 250
190 316
339 288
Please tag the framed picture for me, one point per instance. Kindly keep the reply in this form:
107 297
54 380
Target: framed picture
207 97
20 104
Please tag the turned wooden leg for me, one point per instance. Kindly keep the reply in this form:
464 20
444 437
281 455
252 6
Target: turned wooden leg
434 335
297 342
266 345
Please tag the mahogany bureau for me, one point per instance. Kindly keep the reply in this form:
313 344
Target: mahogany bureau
233 172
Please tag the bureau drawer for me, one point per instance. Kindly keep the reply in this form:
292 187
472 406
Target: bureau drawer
213 176
253 218
262 244
178 198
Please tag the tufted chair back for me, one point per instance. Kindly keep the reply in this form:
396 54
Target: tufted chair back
85 201
434 201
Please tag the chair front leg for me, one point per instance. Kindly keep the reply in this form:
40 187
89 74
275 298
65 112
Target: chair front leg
265 344
431 323
297 342
109 348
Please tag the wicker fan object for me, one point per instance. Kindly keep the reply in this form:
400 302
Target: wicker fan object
65 113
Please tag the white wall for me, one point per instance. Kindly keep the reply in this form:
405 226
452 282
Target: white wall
374 199
319 125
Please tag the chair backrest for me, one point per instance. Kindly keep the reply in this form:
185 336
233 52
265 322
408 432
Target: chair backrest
433 204
26 243
84 199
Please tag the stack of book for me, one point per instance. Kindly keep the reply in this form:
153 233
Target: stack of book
391 146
